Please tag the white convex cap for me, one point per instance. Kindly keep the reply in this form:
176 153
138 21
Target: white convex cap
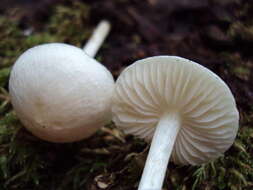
59 93
188 109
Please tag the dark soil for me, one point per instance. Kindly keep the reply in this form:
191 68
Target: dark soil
216 34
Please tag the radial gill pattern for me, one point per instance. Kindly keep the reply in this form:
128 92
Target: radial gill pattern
166 84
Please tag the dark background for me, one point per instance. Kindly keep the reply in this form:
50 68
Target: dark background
216 34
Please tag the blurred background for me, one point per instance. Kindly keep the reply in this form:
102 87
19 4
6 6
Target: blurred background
217 34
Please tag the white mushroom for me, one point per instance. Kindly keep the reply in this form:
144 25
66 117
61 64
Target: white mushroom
187 109
60 93
97 38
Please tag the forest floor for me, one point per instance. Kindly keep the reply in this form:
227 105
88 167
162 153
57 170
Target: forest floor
216 34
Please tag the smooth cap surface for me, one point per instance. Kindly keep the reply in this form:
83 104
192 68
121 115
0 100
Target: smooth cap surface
151 87
59 93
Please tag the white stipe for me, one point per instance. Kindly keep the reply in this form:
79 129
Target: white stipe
97 38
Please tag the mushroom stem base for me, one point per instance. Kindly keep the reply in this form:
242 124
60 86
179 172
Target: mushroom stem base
159 153
97 38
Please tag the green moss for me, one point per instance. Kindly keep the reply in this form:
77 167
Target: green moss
11 41
242 32
65 25
29 163
23 164
70 26
234 170
4 76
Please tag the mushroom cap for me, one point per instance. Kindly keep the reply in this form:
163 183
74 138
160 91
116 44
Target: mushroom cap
167 84
59 93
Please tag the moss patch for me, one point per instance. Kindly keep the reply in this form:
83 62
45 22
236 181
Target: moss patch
109 159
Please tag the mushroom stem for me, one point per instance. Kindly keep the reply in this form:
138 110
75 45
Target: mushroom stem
97 38
159 153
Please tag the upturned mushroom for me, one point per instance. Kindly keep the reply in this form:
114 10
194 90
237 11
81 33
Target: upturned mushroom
60 93
188 111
